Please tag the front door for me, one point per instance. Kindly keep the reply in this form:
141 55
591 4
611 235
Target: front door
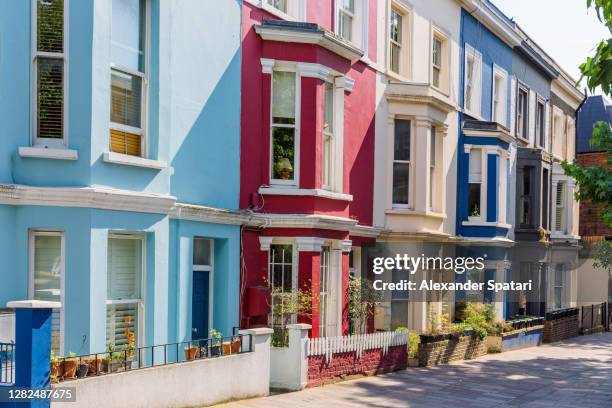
200 305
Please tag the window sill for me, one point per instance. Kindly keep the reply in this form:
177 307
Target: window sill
561 236
127 160
478 223
46 153
316 192
407 211
396 77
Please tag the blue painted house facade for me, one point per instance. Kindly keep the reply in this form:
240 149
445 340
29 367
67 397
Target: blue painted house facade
119 171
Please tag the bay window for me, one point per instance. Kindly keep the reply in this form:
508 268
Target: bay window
283 128
128 77
472 81
475 184
49 73
401 163
47 268
560 208
281 281
522 109
328 136
124 290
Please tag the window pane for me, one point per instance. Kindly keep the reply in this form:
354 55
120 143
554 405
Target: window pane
283 145
346 24
283 98
437 52
127 45
436 77
327 160
124 268
432 147
126 94
474 200
329 108
125 142
401 181
401 149
50 25
279 4
475 166
396 27
122 324
399 314
201 251
50 97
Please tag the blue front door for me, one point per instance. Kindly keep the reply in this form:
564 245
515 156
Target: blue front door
200 305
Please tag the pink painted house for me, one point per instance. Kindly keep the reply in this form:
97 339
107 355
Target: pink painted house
307 154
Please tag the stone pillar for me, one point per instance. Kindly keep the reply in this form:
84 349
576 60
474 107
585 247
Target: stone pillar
260 343
290 365
33 345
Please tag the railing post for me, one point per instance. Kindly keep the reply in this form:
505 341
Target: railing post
33 345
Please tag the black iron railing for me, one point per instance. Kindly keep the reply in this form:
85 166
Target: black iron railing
562 313
594 316
69 368
7 363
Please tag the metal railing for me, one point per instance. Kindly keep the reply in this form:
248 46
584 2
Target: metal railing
594 316
7 363
70 368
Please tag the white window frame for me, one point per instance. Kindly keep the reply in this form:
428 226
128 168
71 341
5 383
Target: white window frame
35 54
331 134
540 127
32 234
476 89
296 139
433 153
143 282
340 10
409 162
294 272
325 289
483 184
211 276
144 101
559 285
499 110
444 71
520 131
298 14
564 206
405 45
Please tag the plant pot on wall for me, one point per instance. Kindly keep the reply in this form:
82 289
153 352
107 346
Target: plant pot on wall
215 351
82 370
57 371
236 346
190 353
227 348
70 367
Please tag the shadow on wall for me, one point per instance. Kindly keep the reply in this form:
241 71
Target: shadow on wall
207 163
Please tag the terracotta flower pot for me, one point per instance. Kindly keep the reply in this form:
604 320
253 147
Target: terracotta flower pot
70 367
190 353
57 371
236 346
227 348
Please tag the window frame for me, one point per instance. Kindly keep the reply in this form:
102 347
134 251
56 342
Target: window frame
476 88
144 97
331 165
524 131
563 206
351 14
540 124
483 204
560 267
296 126
404 68
211 275
433 152
501 96
444 65
141 303
35 140
32 234
325 289
410 163
294 276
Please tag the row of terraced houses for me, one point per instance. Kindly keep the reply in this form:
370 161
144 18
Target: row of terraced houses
164 163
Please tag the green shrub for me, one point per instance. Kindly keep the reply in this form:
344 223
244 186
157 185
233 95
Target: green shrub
413 341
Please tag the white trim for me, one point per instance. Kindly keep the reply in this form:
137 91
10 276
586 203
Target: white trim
263 4
309 244
313 70
32 233
32 304
34 54
265 242
128 160
480 223
445 83
406 45
502 74
315 192
267 65
40 152
346 245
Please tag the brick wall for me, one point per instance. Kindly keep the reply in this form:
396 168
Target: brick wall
565 328
591 224
346 364
442 352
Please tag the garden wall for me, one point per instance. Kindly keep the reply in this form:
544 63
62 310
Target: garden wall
442 352
560 329
372 362
518 339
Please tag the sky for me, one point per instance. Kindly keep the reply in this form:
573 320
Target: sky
563 28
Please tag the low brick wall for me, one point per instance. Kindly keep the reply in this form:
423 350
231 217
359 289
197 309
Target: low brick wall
560 329
442 352
347 364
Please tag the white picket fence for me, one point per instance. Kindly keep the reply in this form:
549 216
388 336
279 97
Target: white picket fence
358 343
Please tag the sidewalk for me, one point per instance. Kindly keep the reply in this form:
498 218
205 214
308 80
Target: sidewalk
570 374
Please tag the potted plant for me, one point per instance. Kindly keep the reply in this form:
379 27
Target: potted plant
116 358
236 342
215 343
70 365
95 364
82 369
190 352
56 369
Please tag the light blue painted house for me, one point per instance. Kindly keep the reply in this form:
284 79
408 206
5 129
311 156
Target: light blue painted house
119 167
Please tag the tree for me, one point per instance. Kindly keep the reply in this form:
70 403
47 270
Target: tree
595 183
